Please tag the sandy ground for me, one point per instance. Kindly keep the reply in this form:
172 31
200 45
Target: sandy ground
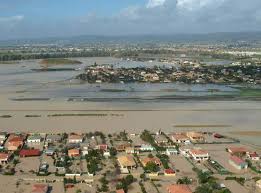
225 116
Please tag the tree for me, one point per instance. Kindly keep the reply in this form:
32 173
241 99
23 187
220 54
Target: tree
151 167
184 180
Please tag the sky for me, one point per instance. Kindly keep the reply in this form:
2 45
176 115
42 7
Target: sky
60 18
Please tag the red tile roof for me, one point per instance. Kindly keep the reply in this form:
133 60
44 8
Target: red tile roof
29 152
40 188
169 171
120 191
178 188
237 160
237 150
4 156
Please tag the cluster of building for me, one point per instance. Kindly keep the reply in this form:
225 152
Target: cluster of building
133 154
194 73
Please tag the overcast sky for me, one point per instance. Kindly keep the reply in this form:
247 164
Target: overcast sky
45 18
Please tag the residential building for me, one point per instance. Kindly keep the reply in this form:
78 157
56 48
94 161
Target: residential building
122 147
180 138
74 138
35 138
258 184
131 150
160 139
40 188
103 147
155 160
4 158
178 188
237 162
14 143
127 161
199 154
120 191
146 147
195 136
169 172
171 151
50 151
237 150
2 137
53 138
253 156
29 152
74 153
85 150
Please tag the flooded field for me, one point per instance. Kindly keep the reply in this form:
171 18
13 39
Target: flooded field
28 98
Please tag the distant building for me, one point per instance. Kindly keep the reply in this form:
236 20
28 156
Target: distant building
199 155
238 163
178 188
103 147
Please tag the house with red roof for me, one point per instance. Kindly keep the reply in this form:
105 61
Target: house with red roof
237 162
29 153
14 143
40 188
253 156
120 191
169 172
147 160
199 154
4 158
237 150
74 153
178 188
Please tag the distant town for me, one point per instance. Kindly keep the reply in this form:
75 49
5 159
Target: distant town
188 72
185 162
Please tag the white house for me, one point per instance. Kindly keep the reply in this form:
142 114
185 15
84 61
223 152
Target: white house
180 138
253 156
35 138
146 147
171 151
85 150
74 138
199 155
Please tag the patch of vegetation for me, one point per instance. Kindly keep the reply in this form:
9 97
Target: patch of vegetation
58 61
146 136
5 116
78 115
125 183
